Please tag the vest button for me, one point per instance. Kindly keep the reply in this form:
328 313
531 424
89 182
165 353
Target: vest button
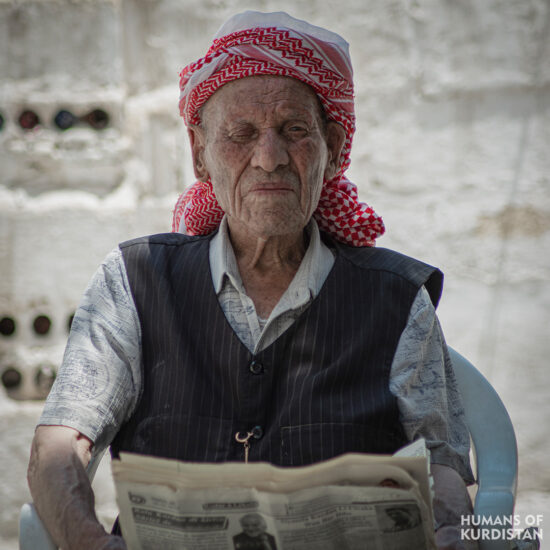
256 367
257 432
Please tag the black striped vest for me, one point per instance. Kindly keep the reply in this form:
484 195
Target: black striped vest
321 389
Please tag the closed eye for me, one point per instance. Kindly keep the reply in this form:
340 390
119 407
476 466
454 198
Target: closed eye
296 131
242 133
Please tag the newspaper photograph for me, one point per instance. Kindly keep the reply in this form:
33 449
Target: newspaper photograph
350 502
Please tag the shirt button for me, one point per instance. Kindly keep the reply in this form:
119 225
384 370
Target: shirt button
256 367
257 432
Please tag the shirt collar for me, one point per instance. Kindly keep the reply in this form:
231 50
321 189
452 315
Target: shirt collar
222 259
314 268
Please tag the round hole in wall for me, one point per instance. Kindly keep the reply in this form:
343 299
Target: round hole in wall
42 325
7 326
11 378
28 120
65 119
98 119
44 378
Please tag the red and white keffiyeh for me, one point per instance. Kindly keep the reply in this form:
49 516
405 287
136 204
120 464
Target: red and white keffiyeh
254 43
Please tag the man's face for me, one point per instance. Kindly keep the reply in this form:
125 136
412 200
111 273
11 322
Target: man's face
264 145
253 526
398 516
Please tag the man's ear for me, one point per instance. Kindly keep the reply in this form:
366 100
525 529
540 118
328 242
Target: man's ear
197 139
335 138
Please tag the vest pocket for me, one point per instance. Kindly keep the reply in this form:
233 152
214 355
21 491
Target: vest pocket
308 443
189 438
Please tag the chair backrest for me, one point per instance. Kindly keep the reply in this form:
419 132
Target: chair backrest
494 444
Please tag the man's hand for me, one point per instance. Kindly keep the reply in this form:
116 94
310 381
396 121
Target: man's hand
451 501
62 492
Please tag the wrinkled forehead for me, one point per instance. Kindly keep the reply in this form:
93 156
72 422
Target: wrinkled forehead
288 94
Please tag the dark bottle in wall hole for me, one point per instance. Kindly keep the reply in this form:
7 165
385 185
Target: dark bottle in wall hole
11 378
65 119
42 325
98 119
28 120
7 326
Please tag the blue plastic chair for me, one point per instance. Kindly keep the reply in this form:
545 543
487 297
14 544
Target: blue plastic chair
493 442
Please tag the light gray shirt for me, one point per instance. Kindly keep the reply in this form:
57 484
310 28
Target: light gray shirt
99 383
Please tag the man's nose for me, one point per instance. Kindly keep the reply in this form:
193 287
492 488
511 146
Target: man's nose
270 151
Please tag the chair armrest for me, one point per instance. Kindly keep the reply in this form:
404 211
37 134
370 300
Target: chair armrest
32 533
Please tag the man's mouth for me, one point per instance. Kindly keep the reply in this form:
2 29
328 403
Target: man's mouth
272 187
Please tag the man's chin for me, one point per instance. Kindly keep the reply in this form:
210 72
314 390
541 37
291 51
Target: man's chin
276 224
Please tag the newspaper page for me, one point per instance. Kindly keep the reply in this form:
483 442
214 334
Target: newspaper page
337 504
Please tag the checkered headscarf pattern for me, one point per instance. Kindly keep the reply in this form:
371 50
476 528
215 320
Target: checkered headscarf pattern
254 43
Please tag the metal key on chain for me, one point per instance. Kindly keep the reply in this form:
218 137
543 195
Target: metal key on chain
246 442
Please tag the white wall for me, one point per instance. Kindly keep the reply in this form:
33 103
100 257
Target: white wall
452 148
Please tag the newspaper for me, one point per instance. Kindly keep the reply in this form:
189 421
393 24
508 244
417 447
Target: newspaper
355 501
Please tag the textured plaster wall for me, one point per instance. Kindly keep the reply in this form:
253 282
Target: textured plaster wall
452 148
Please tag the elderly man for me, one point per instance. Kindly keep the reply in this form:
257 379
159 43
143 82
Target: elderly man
254 536
273 329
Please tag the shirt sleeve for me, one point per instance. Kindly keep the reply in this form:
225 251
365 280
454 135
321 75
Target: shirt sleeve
99 381
423 381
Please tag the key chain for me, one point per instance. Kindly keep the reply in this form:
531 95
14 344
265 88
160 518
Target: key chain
246 442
